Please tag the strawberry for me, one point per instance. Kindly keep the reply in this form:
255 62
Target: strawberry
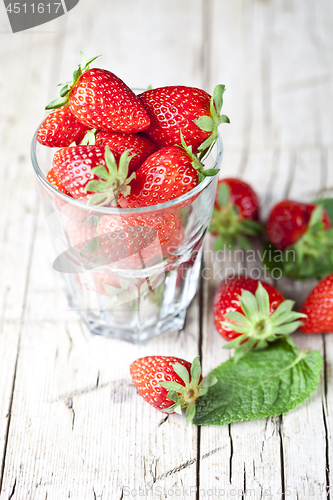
257 311
164 176
235 215
82 236
139 145
302 233
132 241
289 221
60 129
318 307
188 110
170 384
101 100
84 170
53 179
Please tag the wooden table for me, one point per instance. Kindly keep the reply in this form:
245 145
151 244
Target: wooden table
71 422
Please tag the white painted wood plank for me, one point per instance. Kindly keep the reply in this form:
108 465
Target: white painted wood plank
255 50
143 42
244 458
18 200
77 412
306 426
68 436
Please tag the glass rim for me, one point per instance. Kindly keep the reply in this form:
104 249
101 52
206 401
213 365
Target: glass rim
115 210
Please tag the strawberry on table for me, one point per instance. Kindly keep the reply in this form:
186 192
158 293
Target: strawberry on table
139 145
318 307
250 313
303 232
170 384
101 100
290 220
85 170
60 129
235 215
188 110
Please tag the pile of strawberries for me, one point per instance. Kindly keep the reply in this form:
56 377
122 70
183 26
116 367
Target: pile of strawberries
299 237
131 151
120 149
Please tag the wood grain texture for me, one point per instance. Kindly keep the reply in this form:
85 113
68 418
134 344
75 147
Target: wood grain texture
71 423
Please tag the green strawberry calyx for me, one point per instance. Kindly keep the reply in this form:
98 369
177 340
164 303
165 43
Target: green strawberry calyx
231 228
256 325
90 138
67 86
113 180
185 396
196 162
212 122
315 243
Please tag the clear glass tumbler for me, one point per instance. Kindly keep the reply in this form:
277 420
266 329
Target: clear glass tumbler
129 273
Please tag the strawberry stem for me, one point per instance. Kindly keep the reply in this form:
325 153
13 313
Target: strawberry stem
185 396
232 229
67 87
113 181
256 325
212 122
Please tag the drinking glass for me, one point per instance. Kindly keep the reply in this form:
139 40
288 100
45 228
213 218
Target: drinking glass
129 273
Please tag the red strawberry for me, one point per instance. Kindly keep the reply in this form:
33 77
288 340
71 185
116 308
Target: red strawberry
258 314
101 100
132 241
318 307
84 170
290 220
82 236
53 179
139 145
235 214
164 176
170 384
303 238
183 109
60 129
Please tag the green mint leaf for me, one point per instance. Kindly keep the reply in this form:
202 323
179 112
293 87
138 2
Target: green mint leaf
261 384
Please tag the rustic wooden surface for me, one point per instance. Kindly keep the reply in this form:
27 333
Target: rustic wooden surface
71 423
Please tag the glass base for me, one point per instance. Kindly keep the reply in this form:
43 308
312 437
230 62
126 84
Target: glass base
169 324
159 310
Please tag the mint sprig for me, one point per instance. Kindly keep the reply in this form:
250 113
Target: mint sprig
262 384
